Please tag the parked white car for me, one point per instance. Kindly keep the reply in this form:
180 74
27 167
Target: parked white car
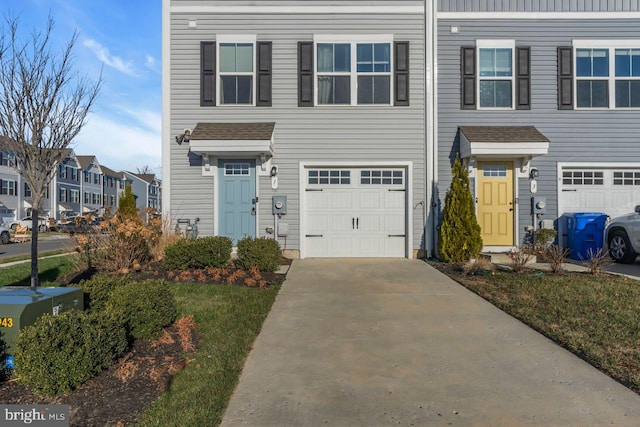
622 236
5 236
43 223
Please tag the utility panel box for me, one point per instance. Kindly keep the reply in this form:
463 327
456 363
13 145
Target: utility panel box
279 205
283 229
20 307
538 205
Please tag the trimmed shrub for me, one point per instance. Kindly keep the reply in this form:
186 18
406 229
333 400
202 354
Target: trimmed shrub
460 237
199 253
58 353
145 307
263 252
98 288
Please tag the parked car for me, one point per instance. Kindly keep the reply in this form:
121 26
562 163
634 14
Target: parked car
73 224
43 223
622 237
5 236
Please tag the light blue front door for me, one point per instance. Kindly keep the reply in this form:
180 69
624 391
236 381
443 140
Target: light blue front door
237 198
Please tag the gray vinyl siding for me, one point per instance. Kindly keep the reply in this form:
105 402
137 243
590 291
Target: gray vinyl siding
139 190
539 5
312 134
575 135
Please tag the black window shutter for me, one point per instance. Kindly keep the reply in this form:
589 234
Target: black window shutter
523 78
264 74
565 78
468 78
401 73
207 74
305 74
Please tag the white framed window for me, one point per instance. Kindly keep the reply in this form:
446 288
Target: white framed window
495 74
607 74
74 196
626 177
8 187
329 176
63 195
382 177
27 190
86 197
7 159
236 169
353 70
74 174
583 177
236 66
494 171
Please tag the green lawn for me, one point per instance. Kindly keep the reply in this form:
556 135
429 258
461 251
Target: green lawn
595 317
229 319
49 269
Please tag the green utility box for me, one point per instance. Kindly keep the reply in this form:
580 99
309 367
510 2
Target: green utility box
20 307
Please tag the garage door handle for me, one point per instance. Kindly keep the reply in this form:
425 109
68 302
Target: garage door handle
353 223
313 235
397 189
397 235
357 223
313 189
569 190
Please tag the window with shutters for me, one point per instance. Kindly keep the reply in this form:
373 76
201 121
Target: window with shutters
7 159
353 71
8 187
607 74
495 74
74 196
236 71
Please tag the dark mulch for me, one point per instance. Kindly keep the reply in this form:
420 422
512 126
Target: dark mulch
118 395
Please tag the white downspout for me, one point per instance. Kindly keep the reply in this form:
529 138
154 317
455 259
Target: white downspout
431 126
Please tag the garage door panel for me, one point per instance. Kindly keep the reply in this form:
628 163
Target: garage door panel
355 218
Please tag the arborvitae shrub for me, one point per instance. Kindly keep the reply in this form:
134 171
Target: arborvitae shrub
460 237
58 353
145 307
263 252
199 253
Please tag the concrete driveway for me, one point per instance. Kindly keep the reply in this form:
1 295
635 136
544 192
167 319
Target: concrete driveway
395 342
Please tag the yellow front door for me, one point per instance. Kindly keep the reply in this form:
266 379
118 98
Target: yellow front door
495 203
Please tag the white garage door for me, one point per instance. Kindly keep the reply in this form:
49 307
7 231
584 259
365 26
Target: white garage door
614 191
355 212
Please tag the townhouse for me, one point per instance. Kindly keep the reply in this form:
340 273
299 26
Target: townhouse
146 188
332 125
302 121
68 185
113 187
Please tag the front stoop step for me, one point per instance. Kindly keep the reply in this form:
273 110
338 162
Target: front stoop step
503 258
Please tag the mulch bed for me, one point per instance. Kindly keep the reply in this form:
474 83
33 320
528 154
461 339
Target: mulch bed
118 395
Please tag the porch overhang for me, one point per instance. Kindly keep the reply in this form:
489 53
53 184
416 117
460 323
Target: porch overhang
233 139
502 142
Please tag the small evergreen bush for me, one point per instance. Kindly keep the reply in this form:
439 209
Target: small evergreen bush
145 307
263 252
199 253
460 237
544 238
97 290
58 353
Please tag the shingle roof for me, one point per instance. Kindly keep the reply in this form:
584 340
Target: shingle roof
110 172
233 131
85 161
148 177
507 134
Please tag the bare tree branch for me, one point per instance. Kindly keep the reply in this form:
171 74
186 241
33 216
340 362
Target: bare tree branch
43 106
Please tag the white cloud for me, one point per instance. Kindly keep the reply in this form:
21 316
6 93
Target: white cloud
151 120
150 62
105 56
119 146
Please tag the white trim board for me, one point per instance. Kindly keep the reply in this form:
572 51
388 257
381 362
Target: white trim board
299 10
536 15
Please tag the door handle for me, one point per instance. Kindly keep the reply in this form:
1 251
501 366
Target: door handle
511 208
353 223
253 211
357 223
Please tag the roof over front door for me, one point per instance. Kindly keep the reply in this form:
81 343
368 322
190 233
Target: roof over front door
232 139
505 142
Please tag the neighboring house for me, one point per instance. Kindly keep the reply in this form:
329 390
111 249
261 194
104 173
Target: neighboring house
67 183
154 194
139 188
541 100
90 185
9 189
321 104
113 187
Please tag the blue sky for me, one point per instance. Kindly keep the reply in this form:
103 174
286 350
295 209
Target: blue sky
123 38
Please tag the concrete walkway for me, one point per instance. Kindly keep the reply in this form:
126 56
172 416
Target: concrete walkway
395 342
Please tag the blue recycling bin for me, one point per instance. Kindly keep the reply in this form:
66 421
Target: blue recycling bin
585 232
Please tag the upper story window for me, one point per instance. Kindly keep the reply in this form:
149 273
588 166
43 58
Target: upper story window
96 178
7 159
236 71
87 176
495 73
8 187
353 72
27 190
74 174
607 73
